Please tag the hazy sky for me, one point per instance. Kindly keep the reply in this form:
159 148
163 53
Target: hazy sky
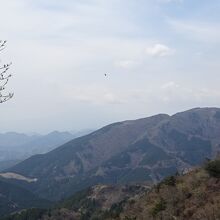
160 56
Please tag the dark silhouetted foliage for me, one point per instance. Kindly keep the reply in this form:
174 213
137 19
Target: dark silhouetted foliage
158 207
213 168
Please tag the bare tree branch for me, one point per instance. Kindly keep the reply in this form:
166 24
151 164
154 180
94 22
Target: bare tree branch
2 44
4 77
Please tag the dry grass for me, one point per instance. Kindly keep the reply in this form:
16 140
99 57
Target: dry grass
194 196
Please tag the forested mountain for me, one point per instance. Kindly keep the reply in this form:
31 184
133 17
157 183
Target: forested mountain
147 149
193 196
14 198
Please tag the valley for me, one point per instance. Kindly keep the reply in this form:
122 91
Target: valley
194 195
143 151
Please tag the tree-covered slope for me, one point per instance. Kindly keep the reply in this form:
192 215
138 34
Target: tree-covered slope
147 149
14 198
193 196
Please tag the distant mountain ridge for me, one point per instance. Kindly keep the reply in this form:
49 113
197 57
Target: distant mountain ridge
45 143
12 139
15 147
146 149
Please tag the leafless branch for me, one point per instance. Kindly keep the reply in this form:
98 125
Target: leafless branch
2 44
4 77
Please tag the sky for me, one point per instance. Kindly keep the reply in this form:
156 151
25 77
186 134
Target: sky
160 56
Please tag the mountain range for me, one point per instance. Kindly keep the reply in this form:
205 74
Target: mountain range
143 150
15 147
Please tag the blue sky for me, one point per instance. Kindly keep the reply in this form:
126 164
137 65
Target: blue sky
160 56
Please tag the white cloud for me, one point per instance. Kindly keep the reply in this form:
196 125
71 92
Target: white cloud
170 85
94 94
172 92
202 31
127 64
159 50
59 49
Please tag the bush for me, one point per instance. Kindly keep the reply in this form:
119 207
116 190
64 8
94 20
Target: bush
116 209
130 218
169 181
159 206
213 168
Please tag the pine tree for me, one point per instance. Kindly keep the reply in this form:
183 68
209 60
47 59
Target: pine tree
4 77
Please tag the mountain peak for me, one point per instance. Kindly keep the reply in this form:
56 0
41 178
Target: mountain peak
146 149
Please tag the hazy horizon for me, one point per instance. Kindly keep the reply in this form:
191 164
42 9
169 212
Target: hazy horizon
75 131
160 56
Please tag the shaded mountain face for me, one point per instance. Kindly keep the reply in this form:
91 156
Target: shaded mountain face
5 164
14 198
132 151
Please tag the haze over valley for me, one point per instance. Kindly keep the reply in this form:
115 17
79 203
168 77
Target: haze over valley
15 147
